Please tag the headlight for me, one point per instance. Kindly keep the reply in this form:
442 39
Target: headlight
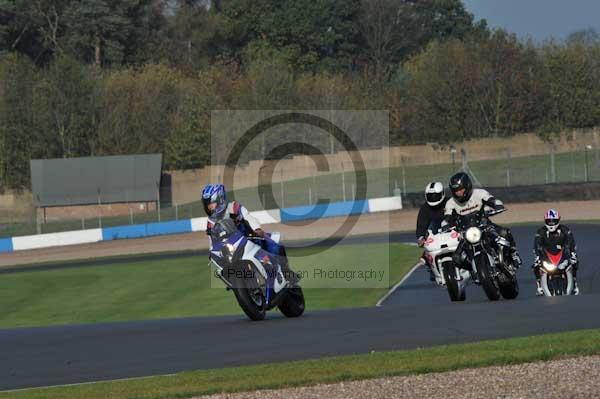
549 266
473 235
227 250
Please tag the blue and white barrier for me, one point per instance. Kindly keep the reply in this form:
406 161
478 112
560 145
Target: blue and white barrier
56 239
197 224
324 210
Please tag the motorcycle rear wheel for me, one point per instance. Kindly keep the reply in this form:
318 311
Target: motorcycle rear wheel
292 304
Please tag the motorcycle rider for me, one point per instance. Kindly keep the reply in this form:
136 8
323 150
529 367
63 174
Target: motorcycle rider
216 206
467 200
431 215
550 236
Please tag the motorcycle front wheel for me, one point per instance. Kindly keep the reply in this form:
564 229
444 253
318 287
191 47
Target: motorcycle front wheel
509 287
558 285
250 298
488 282
454 288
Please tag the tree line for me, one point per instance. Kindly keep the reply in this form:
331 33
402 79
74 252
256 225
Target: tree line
100 77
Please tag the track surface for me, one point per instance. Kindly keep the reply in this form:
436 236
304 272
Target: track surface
416 315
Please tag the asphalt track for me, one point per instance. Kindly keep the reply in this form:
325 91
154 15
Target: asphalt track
418 314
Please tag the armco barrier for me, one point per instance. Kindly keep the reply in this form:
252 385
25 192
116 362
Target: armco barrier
324 210
385 204
6 245
196 224
56 239
146 230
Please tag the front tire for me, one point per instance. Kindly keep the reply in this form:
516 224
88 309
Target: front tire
292 304
454 288
488 282
510 288
250 298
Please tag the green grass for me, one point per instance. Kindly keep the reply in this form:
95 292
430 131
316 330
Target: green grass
332 369
181 287
570 167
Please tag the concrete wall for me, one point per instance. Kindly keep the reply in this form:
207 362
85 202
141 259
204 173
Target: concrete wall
16 205
92 211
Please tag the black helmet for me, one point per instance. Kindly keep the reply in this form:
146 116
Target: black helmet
459 181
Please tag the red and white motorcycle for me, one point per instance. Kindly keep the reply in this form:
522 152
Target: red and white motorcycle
439 249
557 273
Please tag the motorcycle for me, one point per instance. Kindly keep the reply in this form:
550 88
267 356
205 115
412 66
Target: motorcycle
487 253
254 275
439 249
557 273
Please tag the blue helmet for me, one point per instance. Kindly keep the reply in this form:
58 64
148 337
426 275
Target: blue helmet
214 193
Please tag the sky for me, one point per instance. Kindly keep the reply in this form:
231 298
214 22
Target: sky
538 19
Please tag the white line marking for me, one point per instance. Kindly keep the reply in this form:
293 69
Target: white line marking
395 287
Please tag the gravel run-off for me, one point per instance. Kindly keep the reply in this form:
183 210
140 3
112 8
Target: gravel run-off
565 378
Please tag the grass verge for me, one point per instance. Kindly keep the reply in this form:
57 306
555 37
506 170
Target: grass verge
180 287
333 369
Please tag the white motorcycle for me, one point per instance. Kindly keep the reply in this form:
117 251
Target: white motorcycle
439 249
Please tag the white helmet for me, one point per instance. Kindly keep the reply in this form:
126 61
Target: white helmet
434 193
552 220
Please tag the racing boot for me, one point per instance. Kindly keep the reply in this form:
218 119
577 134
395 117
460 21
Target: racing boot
576 287
539 291
516 259
292 277
428 268
431 275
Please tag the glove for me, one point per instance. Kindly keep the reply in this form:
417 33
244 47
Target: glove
421 242
537 261
573 257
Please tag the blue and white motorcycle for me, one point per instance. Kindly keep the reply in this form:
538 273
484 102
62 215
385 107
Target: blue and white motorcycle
254 275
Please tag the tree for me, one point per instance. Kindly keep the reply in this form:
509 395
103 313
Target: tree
188 147
464 89
33 27
99 29
135 114
393 30
17 78
308 34
66 103
586 37
571 79
189 37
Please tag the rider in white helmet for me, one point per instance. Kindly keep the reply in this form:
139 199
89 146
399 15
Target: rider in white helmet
552 236
431 215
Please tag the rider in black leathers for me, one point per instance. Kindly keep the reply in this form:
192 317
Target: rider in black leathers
553 236
431 215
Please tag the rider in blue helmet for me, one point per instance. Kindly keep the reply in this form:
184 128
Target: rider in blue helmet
216 206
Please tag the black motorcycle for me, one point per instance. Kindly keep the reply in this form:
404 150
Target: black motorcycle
486 254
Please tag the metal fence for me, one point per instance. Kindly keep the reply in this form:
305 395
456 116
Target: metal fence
581 164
